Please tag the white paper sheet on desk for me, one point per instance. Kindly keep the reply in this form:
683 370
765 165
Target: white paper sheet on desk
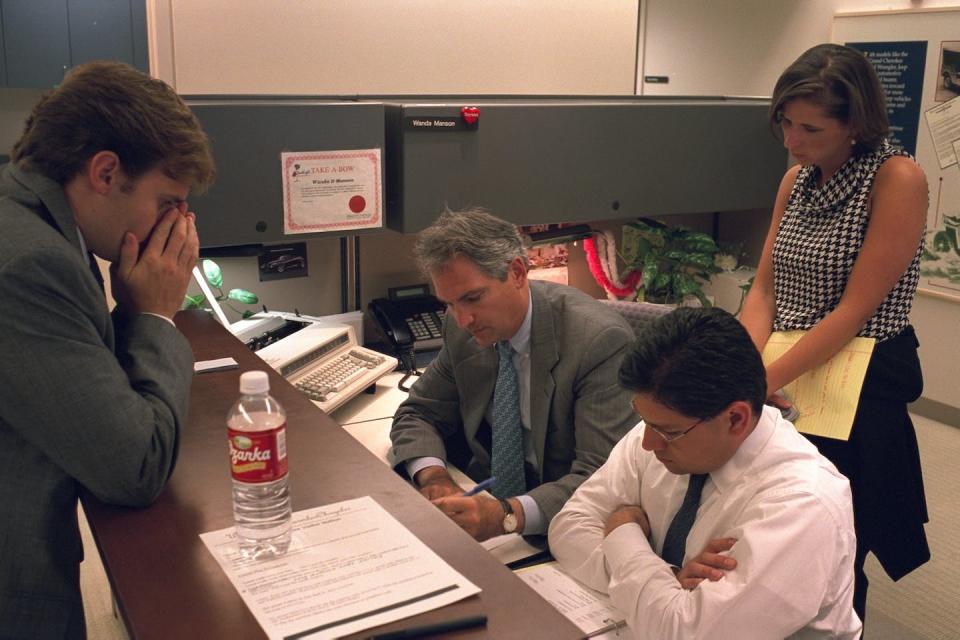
590 610
511 547
351 566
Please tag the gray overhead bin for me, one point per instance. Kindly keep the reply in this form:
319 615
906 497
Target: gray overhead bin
245 204
540 160
529 160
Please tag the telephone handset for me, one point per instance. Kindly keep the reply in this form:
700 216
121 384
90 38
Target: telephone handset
411 320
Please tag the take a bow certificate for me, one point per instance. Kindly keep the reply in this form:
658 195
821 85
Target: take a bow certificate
827 396
351 566
331 190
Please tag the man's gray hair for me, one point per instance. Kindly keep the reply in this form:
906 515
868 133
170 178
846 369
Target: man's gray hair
486 240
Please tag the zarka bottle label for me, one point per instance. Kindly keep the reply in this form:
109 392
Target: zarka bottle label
260 456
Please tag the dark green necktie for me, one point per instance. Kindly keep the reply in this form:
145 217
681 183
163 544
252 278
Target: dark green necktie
675 542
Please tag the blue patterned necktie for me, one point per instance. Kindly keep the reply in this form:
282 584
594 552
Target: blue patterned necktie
675 542
507 455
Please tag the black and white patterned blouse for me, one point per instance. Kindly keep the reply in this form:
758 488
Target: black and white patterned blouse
818 241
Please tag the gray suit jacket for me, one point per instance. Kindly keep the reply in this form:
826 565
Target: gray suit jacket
86 402
578 410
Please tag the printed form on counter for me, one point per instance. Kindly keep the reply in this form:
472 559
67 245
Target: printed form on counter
590 610
351 566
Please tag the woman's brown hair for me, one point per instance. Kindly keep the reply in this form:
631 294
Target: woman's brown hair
841 81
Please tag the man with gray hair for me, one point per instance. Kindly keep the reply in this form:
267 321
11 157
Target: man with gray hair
525 385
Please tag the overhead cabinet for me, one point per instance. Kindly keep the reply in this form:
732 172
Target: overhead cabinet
529 161
538 160
43 39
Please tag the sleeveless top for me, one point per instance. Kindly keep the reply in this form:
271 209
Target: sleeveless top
819 240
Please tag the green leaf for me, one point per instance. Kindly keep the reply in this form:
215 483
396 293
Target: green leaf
212 272
661 282
675 254
244 296
697 236
701 260
684 285
193 302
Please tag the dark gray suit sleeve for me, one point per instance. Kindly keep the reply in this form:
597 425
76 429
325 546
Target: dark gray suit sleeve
430 414
109 421
601 416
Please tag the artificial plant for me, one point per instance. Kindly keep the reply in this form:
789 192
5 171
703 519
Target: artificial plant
675 261
214 277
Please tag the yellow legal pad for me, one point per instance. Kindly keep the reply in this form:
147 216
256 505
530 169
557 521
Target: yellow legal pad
827 396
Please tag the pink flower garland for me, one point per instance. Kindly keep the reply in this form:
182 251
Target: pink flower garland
629 285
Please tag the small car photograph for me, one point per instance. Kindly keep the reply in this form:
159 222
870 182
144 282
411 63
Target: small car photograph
948 86
283 263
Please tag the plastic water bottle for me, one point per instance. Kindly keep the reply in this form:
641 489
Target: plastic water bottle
256 428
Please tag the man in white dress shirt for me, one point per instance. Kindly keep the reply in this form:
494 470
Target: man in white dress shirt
771 547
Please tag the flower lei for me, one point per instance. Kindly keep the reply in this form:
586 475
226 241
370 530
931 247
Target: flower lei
605 271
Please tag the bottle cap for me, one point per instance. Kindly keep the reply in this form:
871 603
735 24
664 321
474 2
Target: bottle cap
252 382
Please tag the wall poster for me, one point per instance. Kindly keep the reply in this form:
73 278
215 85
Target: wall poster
900 67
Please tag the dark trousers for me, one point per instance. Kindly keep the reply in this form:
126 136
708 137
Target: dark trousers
882 461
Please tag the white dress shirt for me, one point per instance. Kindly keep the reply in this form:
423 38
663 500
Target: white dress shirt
788 507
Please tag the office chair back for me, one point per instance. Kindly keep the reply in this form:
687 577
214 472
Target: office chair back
637 314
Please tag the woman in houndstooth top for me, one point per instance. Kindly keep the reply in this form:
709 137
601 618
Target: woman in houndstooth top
841 260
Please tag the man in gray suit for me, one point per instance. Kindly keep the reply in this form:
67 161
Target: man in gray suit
525 383
89 400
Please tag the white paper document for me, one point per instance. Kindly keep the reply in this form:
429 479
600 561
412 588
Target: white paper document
590 610
351 566
331 190
943 121
511 547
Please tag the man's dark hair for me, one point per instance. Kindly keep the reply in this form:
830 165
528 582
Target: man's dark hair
696 362
110 106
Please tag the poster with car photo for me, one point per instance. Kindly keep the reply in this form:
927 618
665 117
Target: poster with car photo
948 75
283 261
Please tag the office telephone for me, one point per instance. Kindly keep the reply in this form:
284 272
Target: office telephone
409 316
411 320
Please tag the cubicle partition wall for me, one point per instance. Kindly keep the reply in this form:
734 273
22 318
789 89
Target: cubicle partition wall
245 205
530 160
540 160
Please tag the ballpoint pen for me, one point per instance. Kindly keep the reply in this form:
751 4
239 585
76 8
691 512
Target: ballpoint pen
481 486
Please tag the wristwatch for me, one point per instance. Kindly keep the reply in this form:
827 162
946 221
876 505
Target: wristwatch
509 517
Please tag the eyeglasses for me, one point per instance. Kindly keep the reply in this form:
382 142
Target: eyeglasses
668 436
671 436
